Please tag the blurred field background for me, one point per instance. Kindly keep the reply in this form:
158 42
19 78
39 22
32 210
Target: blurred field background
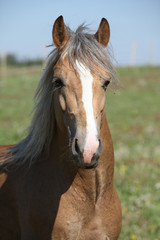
134 118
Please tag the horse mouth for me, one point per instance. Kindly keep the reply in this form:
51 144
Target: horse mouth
79 161
94 165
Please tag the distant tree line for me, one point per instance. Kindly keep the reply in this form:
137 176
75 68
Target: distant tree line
12 60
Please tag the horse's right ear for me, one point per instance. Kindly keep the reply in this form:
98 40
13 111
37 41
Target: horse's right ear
59 33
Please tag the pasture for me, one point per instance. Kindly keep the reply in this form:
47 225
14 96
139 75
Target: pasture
133 114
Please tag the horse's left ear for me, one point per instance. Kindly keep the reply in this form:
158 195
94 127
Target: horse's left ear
59 33
103 33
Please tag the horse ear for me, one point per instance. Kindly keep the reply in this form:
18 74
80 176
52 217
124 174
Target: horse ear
103 33
59 33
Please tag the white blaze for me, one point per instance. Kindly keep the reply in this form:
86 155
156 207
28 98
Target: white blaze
91 143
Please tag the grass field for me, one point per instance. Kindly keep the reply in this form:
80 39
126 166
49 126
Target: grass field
134 119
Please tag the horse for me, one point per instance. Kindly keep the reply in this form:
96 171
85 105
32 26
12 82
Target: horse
57 183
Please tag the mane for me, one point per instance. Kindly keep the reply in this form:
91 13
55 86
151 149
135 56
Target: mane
86 49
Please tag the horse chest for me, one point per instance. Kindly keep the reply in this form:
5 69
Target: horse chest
79 221
75 228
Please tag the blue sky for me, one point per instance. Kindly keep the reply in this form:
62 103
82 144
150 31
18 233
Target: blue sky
26 26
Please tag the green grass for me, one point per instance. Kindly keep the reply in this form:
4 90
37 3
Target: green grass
16 102
133 114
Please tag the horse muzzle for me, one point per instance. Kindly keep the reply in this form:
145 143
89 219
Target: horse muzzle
86 157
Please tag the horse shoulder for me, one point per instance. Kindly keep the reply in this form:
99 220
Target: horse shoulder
109 211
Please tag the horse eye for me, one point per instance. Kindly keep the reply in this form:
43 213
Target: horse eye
105 85
58 83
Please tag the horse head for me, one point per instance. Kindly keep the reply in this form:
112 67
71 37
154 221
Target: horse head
80 90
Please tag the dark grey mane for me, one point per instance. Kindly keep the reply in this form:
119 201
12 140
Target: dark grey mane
85 48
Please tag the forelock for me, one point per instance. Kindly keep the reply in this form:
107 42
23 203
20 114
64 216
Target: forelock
83 47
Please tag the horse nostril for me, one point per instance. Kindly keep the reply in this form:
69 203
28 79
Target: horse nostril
76 146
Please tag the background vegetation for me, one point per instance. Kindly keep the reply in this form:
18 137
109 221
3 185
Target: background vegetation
134 117
12 60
